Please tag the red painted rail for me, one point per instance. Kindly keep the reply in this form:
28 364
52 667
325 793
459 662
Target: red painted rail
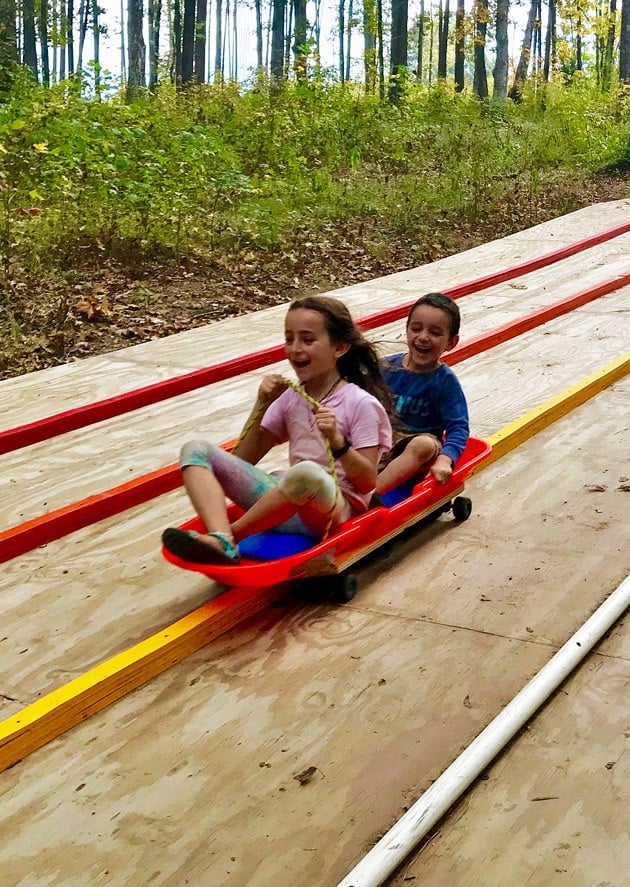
41 530
99 411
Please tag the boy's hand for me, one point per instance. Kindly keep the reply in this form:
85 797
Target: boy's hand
271 388
442 469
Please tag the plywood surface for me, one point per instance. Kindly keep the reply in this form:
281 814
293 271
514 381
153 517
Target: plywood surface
279 753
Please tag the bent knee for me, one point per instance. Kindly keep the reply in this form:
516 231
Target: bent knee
305 481
196 452
423 448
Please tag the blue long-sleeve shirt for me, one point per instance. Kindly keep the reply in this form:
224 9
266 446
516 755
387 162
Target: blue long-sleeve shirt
431 403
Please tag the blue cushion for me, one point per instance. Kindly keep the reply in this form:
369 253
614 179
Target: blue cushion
393 497
270 546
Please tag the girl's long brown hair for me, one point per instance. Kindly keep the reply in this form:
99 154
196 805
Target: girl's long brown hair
360 363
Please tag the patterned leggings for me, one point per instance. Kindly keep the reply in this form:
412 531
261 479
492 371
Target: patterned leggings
305 483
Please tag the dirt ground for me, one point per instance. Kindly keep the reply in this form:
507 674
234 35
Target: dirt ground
110 303
281 752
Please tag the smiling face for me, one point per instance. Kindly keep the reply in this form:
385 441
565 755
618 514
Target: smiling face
309 348
428 337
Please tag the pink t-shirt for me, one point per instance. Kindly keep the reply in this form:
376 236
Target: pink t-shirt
360 417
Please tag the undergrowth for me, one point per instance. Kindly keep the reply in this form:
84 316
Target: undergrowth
215 173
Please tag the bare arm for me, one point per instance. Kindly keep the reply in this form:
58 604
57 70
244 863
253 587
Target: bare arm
442 469
256 441
359 465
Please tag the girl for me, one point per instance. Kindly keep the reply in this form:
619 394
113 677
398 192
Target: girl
339 369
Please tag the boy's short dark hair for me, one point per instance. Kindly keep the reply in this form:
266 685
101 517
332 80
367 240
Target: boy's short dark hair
444 303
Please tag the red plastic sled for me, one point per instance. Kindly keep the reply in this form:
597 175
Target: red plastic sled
357 538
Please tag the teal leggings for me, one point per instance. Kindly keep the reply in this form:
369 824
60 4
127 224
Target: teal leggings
304 482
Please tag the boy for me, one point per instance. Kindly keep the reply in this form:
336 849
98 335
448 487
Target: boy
431 424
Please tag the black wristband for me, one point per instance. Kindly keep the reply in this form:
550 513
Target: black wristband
343 449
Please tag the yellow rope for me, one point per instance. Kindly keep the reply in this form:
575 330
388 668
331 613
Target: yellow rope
258 414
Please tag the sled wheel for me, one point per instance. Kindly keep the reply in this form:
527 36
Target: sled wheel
462 508
344 587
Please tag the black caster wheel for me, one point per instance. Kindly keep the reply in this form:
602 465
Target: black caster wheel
344 587
462 508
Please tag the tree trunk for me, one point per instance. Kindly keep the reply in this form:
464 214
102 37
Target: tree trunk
84 14
480 79
136 50
317 30
96 43
520 75
259 37
349 41
550 41
235 39
460 33
154 13
398 52
431 42
300 46
420 42
70 37
29 48
369 45
624 43
54 20
218 44
443 39
8 43
287 39
607 66
381 51
188 41
342 34
200 41
63 24
276 65
500 73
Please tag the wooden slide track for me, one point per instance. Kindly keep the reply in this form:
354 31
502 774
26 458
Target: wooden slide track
72 703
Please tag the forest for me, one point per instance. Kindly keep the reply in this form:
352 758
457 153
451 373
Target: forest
174 189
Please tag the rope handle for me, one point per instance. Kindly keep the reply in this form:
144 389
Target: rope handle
257 415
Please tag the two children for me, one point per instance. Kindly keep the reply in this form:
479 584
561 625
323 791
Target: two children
339 369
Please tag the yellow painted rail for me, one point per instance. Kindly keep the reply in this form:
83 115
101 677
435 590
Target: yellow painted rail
517 432
74 702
